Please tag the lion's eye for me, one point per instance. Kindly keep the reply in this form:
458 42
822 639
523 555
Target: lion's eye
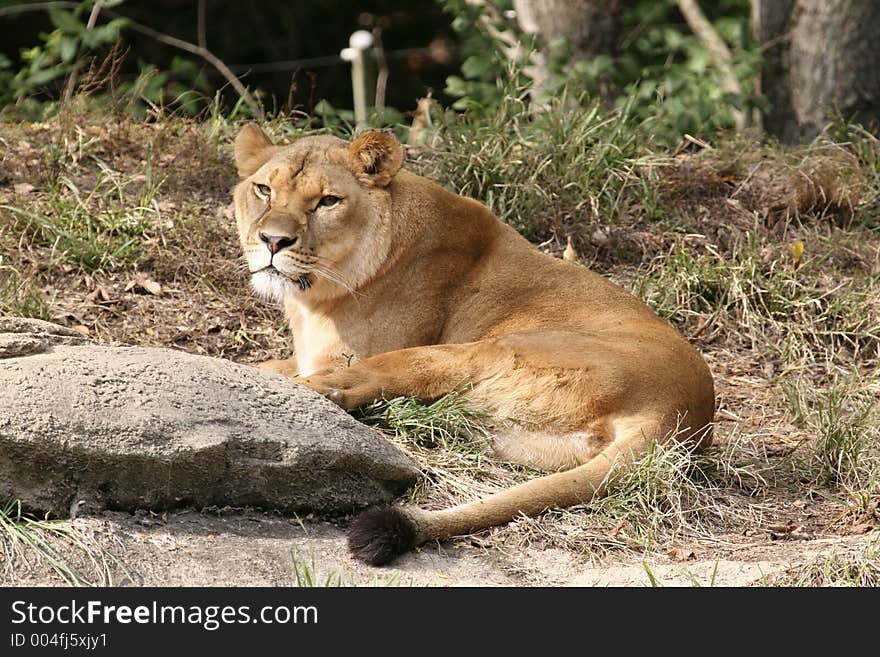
328 201
263 191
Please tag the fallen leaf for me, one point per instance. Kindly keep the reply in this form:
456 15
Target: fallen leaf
569 254
144 283
789 532
681 554
614 532
23 188
151 286
99 295
797 250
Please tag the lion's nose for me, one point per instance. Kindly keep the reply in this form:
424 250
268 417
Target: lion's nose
277 242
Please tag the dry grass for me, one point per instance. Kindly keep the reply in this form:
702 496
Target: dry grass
91 209
95 213
450 441
72 552
842 568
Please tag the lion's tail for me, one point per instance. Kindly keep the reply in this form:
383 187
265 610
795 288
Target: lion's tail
380 534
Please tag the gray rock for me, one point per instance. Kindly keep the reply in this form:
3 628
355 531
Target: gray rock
126 428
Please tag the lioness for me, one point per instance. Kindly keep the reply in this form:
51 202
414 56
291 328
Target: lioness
394 285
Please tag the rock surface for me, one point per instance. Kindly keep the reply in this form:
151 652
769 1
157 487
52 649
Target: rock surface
111 426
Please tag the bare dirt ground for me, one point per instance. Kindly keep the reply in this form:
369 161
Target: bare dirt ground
189 548
186 291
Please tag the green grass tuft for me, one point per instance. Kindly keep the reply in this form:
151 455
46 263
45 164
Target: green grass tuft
845 451
860 568
27 543
561 171
762 302
105 225
447 423
449 438
675 491
306 576
18 296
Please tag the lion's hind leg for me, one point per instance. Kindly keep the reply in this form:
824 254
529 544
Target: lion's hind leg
541 450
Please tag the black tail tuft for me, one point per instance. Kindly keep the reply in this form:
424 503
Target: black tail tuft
380 534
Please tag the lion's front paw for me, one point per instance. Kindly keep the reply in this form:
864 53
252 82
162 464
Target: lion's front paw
285 367
342 388
323 386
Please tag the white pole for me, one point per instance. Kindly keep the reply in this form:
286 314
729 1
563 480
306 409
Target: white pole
356 53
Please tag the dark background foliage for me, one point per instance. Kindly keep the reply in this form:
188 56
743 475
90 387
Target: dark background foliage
289 50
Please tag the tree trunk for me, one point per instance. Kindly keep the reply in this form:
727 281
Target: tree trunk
821 58
592 28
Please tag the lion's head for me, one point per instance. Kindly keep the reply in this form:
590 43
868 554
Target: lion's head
314 218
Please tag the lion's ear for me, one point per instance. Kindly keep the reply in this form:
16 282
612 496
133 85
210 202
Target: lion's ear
376 154
252 149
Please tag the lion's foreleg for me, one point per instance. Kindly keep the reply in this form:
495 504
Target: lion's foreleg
286 367
425 373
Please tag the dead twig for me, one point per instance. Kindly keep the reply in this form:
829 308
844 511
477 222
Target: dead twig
37 6
205 54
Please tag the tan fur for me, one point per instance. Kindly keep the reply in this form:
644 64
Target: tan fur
417 291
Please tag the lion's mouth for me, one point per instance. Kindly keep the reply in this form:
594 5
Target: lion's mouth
304 281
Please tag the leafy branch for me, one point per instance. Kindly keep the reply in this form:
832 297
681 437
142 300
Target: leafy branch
198 50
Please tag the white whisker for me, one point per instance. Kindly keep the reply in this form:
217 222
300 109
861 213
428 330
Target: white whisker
334 277
323 267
